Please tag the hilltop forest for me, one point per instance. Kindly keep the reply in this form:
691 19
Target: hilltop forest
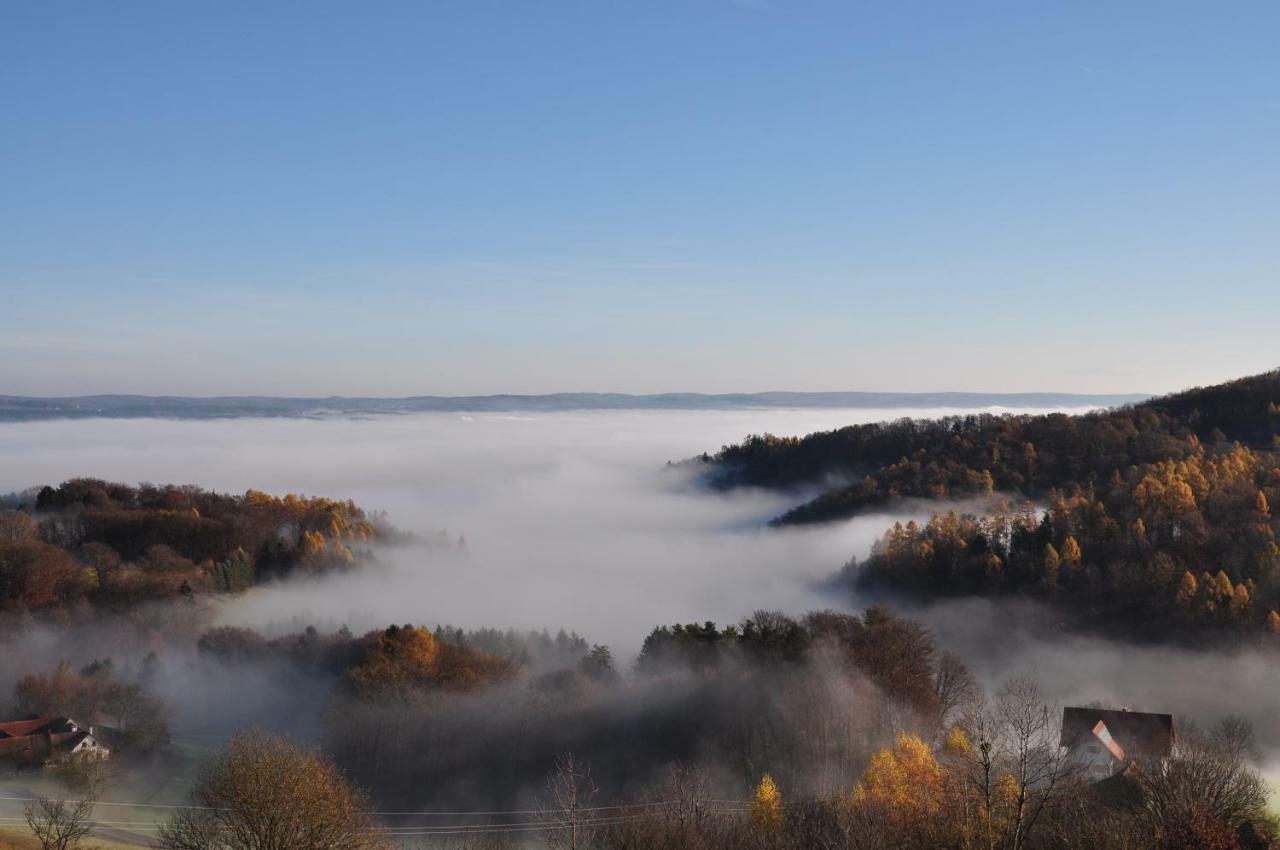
112 546
1150 519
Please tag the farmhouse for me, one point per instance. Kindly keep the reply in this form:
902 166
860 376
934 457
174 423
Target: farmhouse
36 741
1103 741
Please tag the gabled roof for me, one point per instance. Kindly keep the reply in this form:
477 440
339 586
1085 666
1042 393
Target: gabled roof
1137 733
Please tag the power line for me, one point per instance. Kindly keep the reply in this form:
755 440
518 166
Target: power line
532 811
556 820
493 813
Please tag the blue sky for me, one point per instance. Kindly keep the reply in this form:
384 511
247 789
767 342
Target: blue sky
388 198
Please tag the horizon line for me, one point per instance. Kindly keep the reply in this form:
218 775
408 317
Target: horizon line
567 393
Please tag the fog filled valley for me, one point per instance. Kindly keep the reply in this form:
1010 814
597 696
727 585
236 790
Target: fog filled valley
567 519
470 612
716 425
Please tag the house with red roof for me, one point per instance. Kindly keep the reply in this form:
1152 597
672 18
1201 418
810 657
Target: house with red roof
37 741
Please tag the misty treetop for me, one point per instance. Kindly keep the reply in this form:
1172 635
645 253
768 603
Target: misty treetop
91 541
412 653
895 653
401 662
421 715
802 699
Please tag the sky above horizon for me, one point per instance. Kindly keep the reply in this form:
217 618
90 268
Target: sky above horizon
398 198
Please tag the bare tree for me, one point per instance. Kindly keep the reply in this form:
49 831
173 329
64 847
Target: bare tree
564 808
1016 766
59 824
1207 776
1233 738
958 691
263 793
63 824
1085 820
682 796
1031 736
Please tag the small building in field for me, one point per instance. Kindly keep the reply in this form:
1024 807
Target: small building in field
1102 742
37 741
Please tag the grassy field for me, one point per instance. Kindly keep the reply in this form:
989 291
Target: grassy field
20 839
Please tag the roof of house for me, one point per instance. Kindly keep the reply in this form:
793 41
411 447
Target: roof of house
30 726
1136 732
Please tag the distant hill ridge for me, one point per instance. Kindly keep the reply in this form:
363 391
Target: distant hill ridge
23 408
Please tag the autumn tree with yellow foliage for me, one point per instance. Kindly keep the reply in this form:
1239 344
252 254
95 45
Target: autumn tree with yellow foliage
1273 622
1165 545
903 786
995 786
765 809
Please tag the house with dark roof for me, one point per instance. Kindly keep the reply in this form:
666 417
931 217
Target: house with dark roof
36 741
1102 742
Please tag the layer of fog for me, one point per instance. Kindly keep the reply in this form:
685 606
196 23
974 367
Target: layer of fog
572 521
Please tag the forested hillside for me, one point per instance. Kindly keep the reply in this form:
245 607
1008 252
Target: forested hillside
104 544
1156 514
